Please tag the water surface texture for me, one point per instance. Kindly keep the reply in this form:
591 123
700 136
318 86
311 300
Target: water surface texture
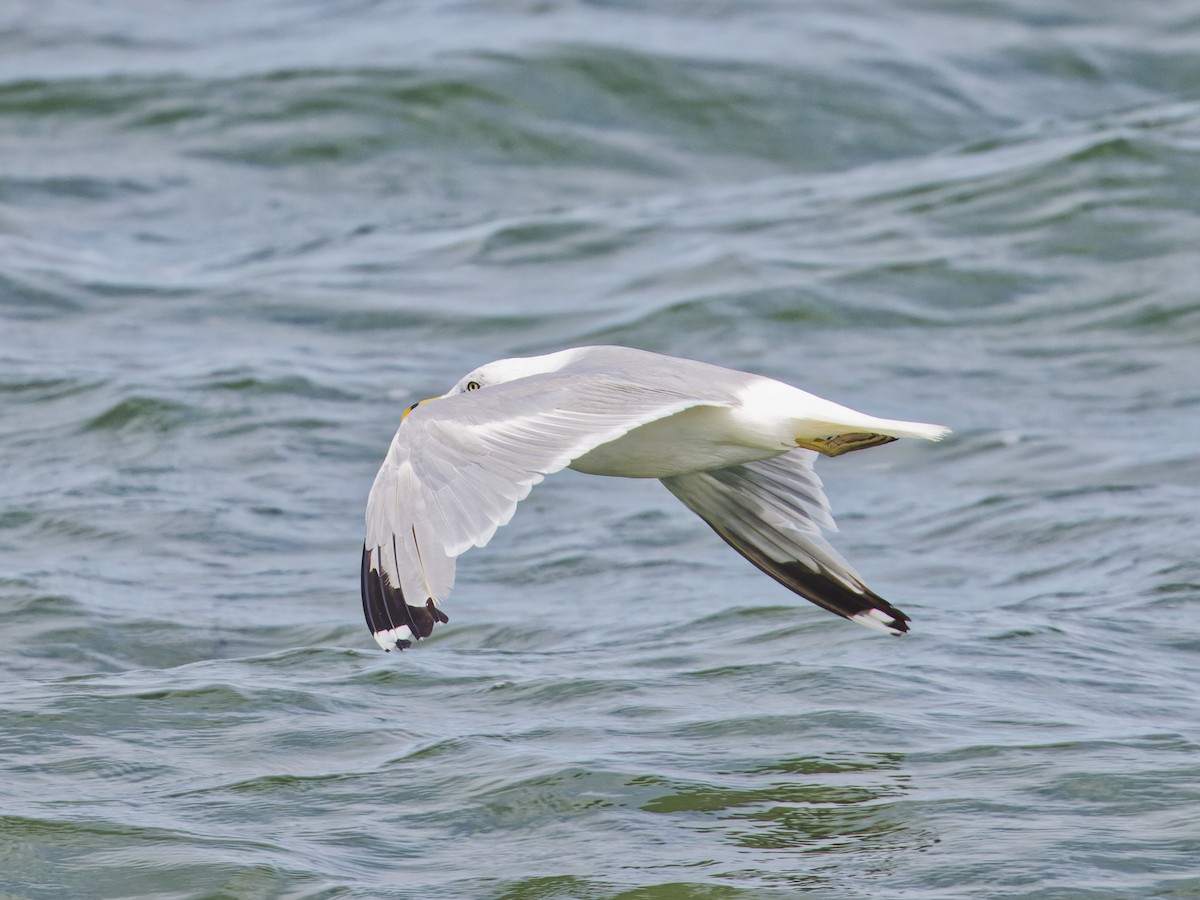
237 239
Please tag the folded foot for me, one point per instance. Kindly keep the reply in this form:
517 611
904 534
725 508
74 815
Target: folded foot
845 443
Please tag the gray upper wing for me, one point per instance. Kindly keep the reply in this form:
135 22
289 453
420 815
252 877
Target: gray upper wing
458 466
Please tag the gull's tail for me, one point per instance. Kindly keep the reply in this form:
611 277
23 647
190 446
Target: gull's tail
814 419
922 430
859 423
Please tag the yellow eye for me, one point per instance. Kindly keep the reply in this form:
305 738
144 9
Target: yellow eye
472 385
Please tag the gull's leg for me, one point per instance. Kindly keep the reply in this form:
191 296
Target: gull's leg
845 443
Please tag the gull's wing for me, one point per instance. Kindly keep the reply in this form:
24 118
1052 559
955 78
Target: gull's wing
459 465
772 512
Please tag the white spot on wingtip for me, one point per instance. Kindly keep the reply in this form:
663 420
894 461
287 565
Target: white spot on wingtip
876 620
387 639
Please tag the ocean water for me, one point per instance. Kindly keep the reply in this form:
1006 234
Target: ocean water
237 239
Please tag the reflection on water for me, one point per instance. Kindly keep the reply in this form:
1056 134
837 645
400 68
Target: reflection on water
808 805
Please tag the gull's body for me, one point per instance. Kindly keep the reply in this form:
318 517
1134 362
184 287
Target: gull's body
736 448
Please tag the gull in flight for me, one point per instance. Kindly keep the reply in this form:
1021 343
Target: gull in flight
737 449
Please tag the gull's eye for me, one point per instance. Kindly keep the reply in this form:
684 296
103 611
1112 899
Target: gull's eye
472 385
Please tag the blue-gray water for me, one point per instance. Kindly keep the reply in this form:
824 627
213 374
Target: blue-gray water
236 239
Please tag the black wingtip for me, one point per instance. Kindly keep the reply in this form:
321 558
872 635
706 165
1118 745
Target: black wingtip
391 619
865 607
882 616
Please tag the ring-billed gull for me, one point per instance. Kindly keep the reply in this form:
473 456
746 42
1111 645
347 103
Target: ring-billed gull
736 448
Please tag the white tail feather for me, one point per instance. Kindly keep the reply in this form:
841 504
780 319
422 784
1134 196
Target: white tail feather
870 425
922 430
